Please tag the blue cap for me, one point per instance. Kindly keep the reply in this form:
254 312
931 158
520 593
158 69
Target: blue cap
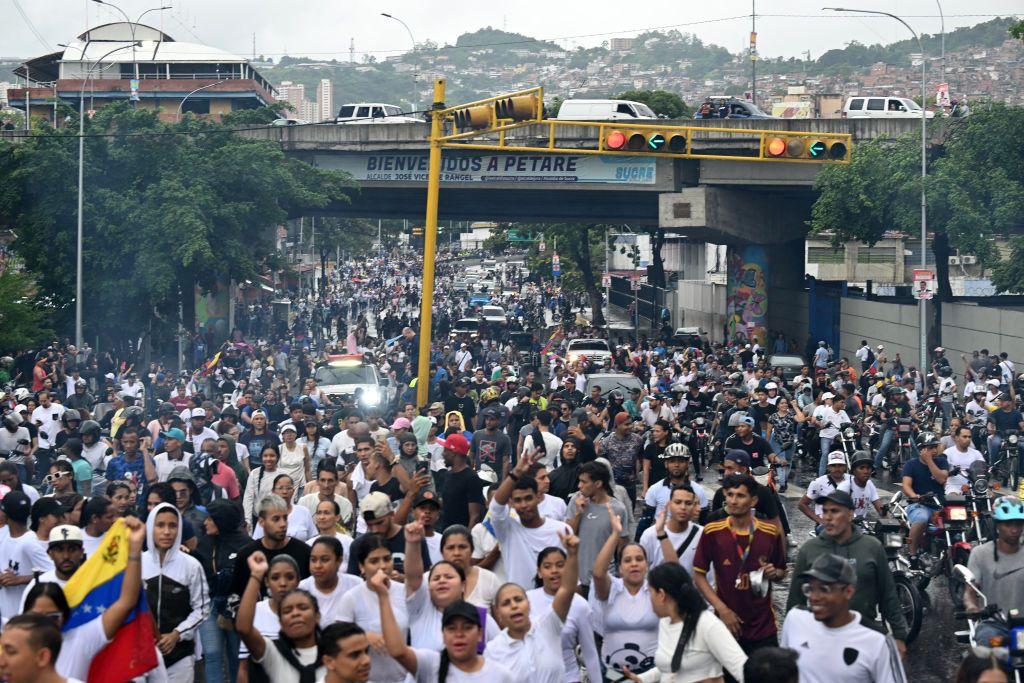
740 457
173 433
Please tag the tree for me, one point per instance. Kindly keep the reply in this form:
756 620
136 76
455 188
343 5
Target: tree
1017 30
582 245
23 314
661 102
551 110
167 207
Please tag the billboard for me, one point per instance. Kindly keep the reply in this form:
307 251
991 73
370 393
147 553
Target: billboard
460 167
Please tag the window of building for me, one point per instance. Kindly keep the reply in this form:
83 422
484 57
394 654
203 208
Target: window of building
196 106
876 255
825 255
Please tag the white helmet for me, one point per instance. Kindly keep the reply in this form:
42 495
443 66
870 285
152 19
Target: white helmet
771 385
676 450
21 393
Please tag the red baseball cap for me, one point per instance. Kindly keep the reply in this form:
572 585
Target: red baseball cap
456 443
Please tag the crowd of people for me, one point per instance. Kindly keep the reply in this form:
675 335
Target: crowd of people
525 523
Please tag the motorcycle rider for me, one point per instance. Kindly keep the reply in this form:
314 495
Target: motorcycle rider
961 454
924 476
80 398
896 406
993 562
822 486
14 432
861 488
875 588
1001 421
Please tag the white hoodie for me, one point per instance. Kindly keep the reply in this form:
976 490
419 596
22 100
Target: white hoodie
176 589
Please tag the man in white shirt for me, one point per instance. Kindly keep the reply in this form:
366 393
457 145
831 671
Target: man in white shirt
822 486
524 536
961 454
551 443
674 537
173 454
198 432
656 410
829 421
831 643
860 487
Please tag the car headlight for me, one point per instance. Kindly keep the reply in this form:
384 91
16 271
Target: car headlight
371 397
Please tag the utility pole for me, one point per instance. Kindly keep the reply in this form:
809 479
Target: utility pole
753 51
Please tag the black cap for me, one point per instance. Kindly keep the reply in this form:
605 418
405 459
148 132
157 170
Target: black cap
427 498
830 568
460 609
838 497
17 505
72 446
48 505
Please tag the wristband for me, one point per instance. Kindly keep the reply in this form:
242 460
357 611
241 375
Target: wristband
134 557
663 537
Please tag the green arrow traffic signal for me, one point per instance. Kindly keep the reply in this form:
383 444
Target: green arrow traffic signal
656 142
817 149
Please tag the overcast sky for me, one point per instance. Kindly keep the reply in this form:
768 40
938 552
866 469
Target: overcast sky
322 28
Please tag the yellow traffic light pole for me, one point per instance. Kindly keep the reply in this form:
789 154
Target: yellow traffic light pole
504 113
430 245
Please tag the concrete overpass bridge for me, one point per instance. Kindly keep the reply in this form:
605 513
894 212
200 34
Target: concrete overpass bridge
723 201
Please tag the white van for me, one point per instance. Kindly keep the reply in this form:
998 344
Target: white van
863 107
373 112
604 110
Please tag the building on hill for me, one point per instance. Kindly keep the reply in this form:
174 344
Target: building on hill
126 61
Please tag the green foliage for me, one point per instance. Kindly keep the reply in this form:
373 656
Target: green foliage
1017 30
23 316
551 109
663 103
975 191
581 248
258 116
164 211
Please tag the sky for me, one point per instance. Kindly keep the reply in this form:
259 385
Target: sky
323 28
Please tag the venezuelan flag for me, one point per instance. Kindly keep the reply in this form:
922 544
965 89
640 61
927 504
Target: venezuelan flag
93 588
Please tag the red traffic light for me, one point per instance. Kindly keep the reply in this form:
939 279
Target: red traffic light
615 140
776 147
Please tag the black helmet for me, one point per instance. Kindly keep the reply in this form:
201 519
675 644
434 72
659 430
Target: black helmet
134 413
90 428
167 408
12 420
70 416
945 371
925 439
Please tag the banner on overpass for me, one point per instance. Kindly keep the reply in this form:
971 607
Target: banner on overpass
497 168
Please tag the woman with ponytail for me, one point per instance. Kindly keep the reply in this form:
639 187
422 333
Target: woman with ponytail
694 646
295 656
458 661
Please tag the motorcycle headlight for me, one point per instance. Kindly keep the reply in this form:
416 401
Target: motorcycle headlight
1013 439
371 397
980 487
848 432
699 421
1018 639
893 539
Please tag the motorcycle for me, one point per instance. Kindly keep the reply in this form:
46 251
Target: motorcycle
931 413
1004 467
699 438
892 536
945 542
847 441
1010 649
903 449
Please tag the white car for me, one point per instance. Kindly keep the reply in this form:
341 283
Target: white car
864 107
596 351
494 315
373 112
604 110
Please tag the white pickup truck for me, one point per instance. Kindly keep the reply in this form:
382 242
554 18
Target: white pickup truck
374 112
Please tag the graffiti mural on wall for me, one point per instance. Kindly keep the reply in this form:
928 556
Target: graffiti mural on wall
747 294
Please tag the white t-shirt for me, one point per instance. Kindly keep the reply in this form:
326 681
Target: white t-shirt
78 648
362 607
536 658
821 487
329 602
483 543
652 546
659 493
487 585
346 543
576 631
19 555
425 621
832 420
280 671
848 654
428 667
552 507
293 463
164 464
520 545
552 447
265 622
48 420
300 525
863 498
963 460
629 627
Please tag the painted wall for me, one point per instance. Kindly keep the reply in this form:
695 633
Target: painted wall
747 293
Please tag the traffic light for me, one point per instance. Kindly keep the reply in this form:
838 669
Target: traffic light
528 106
644 140
793 148
417 232
477 117
518 107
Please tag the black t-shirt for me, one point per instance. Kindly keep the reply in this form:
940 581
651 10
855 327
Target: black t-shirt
598 402
758 449
393 489
761 414
1005 420
464 405
298 550
653 453
766 508
396 544
460 489
696 405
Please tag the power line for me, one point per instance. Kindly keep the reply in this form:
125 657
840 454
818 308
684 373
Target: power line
31 26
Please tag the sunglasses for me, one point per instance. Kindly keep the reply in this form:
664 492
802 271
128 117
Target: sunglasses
51 478
823 589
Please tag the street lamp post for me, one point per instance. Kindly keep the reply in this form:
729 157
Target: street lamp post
131 27
922 304
416 69
81 190
177 116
